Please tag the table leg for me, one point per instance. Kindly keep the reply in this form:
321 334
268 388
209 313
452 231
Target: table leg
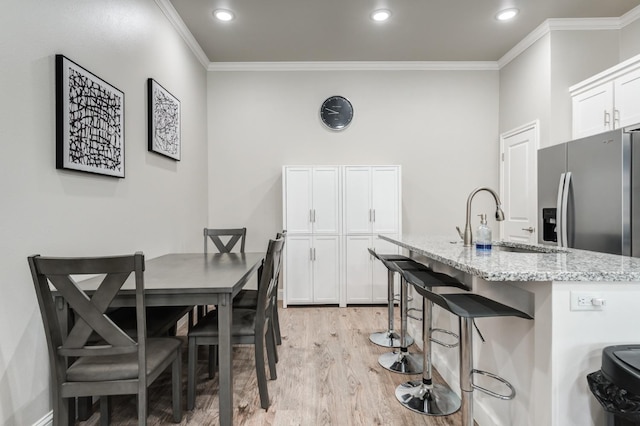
225 369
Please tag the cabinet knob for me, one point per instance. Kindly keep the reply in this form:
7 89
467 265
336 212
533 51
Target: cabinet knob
530 229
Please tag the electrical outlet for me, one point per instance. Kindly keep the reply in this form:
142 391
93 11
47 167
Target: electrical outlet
586 301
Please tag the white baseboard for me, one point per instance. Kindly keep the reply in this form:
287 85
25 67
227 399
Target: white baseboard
47 420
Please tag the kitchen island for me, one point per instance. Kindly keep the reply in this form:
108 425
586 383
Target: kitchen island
547 359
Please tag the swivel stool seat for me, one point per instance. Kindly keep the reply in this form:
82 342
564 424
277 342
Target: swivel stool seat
468 306
423 396
389 338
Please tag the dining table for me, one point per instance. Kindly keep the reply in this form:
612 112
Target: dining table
179 279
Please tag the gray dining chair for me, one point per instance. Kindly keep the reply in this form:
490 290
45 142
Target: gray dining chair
216 236
249 326
249 298
117 363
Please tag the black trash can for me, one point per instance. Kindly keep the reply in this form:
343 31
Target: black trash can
616 385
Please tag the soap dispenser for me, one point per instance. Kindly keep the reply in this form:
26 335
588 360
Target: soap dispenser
483 236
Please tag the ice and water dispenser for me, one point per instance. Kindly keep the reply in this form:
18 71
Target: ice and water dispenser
549 225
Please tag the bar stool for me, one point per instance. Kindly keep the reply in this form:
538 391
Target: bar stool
468 306
403 361
389 338
424 396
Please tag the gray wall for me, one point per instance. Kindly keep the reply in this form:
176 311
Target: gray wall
159 207
630 40
573 60
535 85
524 89
441 126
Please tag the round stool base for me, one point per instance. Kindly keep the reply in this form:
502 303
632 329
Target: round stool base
388 339
438 400
401 362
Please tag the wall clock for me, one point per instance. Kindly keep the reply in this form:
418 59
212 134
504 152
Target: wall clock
336 112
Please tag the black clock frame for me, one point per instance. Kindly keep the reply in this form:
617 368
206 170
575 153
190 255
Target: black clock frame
336 112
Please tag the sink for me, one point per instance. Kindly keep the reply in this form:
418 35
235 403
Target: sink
526 249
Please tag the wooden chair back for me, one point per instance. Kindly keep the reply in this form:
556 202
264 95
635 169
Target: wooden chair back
89 310
268 285
235 235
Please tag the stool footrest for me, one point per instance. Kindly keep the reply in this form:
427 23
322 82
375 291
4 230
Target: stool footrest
411 316
490 392
440 342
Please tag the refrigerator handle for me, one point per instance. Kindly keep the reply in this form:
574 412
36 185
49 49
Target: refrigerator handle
565 208
559 223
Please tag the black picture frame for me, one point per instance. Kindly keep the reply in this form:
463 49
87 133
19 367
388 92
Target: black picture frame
164 118
89 121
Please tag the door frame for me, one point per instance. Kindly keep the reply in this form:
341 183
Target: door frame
535 126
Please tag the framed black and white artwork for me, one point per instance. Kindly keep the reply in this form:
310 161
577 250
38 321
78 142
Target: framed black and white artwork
164 121
89 121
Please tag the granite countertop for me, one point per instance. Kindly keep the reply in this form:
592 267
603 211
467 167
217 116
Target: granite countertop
499 265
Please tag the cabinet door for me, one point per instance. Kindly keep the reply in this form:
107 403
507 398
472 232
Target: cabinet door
357 200
299 271
385 199
326 271
326 200
379 284
297 199
627 99
592 111
358 269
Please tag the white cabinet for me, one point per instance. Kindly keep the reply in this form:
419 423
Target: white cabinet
312 200
312 269
332 215
608 100
372 207
365 275
371 199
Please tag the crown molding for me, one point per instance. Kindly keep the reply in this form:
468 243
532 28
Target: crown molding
631 16
172 15
356 66
569 24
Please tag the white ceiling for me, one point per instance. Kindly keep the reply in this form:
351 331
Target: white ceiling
341 30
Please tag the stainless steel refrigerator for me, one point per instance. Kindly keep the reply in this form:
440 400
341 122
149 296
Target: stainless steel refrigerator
586 191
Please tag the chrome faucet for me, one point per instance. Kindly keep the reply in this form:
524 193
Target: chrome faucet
468 237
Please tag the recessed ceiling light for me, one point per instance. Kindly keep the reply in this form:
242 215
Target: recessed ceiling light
381 15
223 15
505 15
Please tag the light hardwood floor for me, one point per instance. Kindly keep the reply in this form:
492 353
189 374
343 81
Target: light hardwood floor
328 374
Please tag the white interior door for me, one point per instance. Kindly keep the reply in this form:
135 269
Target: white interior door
518 184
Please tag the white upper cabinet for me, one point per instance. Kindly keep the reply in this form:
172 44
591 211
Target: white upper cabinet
608 100
312 200
627 97
593 111
372 197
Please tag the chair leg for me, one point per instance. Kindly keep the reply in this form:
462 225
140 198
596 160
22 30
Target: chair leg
213 360
143 407
105 411
272 354
176 381
192 360
276 323
64 410
274 338
260 372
